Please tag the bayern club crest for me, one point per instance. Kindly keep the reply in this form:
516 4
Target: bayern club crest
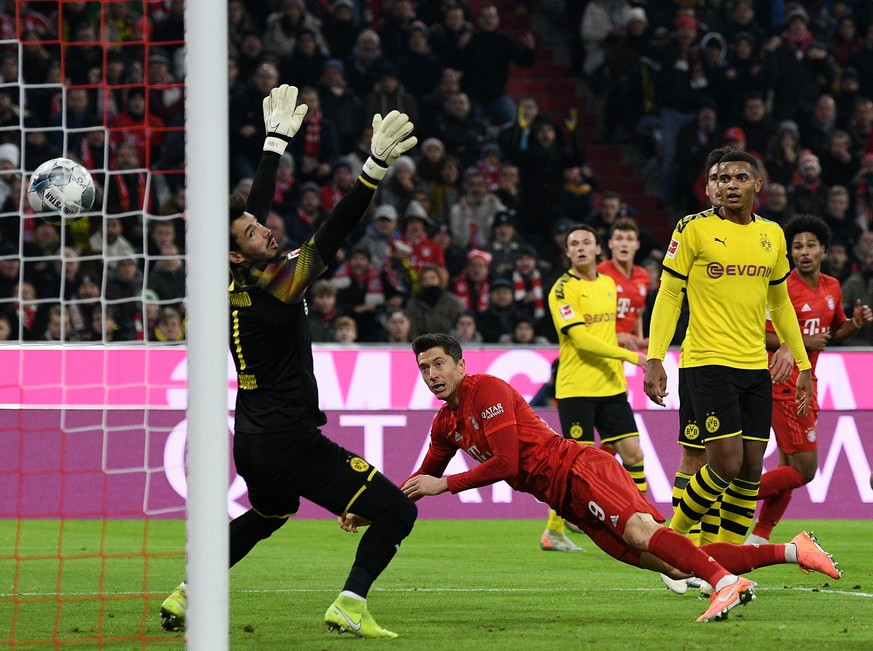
830 302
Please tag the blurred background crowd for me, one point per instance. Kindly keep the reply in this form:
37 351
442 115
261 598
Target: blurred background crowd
523 109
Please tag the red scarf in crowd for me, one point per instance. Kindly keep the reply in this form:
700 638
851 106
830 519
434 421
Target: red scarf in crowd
282 188
312 143
124 198
369 280
304 216
86 155
330 196
536 286
464 294
798 43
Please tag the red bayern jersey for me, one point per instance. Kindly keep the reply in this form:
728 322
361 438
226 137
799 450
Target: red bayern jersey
818 310
631 293
486 407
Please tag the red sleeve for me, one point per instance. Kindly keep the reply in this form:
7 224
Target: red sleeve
439 452
494 405
840 316
502 465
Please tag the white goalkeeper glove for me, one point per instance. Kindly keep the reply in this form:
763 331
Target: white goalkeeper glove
282 117
391 138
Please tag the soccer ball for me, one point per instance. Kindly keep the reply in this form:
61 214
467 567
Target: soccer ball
59 189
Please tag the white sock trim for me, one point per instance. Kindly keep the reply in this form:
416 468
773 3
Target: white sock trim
730 579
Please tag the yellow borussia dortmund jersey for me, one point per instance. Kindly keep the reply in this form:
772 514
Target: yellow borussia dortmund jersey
728 269
587 304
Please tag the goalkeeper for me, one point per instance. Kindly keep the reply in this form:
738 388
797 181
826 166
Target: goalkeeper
278 448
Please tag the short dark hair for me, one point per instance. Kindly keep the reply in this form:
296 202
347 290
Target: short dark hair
741 157
237 208
712 158
625 224
804 223
582 227
449 344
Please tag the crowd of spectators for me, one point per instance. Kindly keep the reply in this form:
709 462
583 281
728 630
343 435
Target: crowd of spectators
465 235
789 82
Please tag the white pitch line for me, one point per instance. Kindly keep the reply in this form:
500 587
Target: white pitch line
25 595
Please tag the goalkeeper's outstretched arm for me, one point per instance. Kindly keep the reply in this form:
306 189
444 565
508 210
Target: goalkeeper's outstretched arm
282 119
392 136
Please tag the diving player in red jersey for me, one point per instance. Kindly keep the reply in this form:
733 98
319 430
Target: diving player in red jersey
493 423
818 302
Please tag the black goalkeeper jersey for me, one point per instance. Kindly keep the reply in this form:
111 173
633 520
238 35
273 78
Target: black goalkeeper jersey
271 346
269 333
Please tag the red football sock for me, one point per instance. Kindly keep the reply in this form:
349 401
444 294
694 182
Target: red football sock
681 553
779 480
739 559
772 510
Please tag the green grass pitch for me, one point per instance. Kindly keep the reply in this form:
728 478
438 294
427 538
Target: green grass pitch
456 585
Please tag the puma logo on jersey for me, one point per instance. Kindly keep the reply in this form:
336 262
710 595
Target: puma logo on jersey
723 242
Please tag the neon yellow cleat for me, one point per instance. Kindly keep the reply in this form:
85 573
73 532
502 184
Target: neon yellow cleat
173 610
347 615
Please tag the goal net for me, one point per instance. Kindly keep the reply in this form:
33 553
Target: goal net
93 379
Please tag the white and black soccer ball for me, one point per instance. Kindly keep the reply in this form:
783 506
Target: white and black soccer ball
60 189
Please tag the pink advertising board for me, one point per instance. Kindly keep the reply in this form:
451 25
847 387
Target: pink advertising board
349 378
100 432
126 463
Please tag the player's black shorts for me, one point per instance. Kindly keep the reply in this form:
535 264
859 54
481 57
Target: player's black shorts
611 415
279 469
690 434
730 400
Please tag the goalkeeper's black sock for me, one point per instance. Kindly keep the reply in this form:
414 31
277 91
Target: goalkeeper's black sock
248 530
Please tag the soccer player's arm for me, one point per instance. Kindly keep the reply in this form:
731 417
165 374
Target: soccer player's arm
844 327
260 198
665 313
436 460
782 313
668 303
287 277
772 342
282 118
566 314
584 340
392 136
638 329
502 433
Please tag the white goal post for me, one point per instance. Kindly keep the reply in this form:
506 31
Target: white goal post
206 101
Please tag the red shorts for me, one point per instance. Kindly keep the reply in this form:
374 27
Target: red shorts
601 499
794 432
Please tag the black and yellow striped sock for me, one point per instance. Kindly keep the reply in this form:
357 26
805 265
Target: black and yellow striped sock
638 474
738 510
702 490
710 524
680 481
